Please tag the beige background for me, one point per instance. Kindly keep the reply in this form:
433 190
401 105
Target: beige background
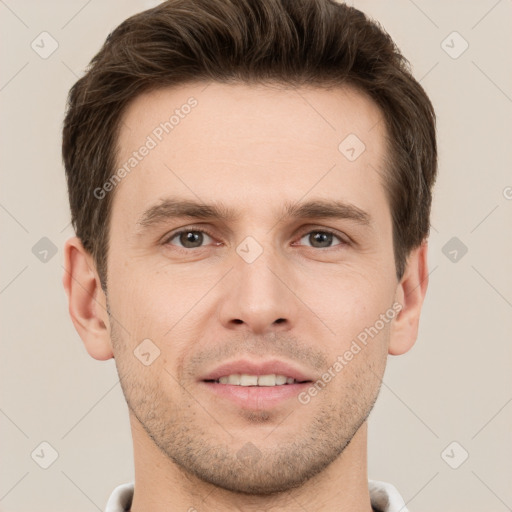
454 385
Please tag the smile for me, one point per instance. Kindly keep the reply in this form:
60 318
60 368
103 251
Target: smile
245 379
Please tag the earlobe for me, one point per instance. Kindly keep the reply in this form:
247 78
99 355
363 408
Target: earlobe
410 294
87 301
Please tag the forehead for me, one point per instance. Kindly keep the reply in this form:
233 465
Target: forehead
228 111
248 145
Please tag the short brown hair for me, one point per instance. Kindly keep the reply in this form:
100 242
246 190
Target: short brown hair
293 42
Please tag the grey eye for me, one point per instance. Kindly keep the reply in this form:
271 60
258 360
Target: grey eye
320 239
189 239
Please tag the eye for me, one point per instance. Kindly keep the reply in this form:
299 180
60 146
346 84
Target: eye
189 238
196 238
322 239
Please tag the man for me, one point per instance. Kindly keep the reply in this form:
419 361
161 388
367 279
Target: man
250 185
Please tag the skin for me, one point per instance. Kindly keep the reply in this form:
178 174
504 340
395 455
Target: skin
253 148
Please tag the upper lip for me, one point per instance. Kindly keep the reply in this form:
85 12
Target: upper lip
254 368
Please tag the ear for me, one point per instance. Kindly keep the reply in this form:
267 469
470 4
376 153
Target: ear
410 293
87 301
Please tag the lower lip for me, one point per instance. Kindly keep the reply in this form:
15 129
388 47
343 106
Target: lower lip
256 397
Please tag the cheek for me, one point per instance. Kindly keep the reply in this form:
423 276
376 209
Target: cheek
348 300
361 360
144 296
161 306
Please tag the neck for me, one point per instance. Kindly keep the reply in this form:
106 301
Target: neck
163 486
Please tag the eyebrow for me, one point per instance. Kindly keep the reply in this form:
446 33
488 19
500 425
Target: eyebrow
172 208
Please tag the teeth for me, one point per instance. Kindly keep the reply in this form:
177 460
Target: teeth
281 379
256 380
248 380
234 379
267 380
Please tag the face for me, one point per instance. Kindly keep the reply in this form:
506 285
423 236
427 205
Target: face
280 274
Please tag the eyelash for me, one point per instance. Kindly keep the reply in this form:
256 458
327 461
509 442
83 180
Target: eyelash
168 239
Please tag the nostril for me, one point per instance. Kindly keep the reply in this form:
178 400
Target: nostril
280 321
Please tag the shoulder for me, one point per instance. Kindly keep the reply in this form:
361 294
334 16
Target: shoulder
385 497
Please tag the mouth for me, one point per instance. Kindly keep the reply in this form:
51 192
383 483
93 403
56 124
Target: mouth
256 385
249 372
244 379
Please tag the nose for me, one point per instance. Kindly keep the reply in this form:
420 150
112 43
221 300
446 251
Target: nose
258 296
